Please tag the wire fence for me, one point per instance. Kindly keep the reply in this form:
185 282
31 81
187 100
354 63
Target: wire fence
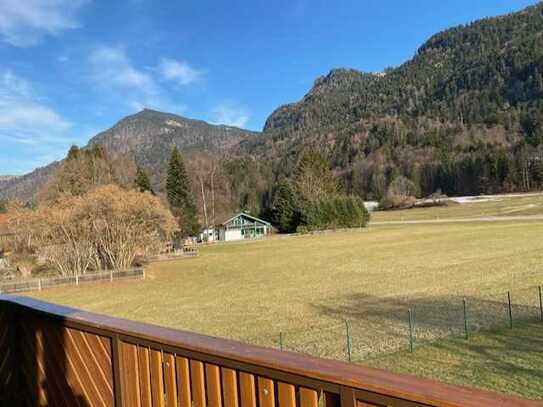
38 284
366 327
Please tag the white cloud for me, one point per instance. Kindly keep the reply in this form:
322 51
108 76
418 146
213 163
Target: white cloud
31 131
112 69
179 71
21 112
23 23
111 66
230 115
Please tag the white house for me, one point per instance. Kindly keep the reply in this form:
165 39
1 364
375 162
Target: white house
210 234
243 226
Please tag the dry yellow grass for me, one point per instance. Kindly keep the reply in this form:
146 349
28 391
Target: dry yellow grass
257 289
529 204
305 286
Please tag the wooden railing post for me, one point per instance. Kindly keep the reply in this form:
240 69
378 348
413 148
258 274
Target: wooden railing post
347 397
9 388
116 361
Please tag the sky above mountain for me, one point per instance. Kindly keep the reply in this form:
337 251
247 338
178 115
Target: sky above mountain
71 68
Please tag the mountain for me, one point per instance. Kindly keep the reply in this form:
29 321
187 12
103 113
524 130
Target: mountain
148 137
495 62
24 187
464 115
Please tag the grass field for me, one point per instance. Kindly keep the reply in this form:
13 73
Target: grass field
529 204
505 360
306 286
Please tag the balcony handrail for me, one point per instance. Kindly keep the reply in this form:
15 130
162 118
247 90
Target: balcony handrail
297 369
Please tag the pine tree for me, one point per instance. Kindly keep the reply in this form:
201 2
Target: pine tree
142 181
179 194
73 153
285 214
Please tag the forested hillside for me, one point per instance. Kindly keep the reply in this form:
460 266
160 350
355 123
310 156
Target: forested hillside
464 115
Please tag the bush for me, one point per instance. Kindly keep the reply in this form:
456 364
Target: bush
342 211
400 194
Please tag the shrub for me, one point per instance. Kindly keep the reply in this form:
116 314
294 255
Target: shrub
400 194
342 211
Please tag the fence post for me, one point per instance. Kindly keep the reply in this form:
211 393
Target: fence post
281 340
143 273
348 334
510 310
465 318
540 304
77 279
111 276
39 284
411 339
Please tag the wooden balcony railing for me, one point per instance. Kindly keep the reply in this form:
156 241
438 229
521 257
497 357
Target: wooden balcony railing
57 356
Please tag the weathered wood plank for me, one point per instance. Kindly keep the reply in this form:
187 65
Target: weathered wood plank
130 375
213 386
169 380
183 381
197 383
308 397
247 389
230 387
266 392
287 395
157 380
144 377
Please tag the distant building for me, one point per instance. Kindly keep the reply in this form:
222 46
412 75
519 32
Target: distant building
239 227
209 234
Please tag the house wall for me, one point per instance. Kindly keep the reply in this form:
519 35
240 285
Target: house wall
233 234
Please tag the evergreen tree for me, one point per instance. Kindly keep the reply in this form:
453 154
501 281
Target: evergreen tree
73 153
285 214
313 178
142 181
179 194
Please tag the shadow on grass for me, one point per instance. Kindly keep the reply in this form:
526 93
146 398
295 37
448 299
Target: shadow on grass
381 324
505 360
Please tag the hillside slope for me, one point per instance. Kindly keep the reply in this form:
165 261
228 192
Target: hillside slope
148 137
465 115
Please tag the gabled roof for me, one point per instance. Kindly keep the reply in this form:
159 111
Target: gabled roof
247 216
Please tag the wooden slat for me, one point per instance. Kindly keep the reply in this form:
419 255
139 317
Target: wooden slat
362 404
169 380
183 381
371 386
287 395
308 397
229 387
157 381
266 394
144 377
130 375
331 400
213 386
247 390
89 384
197 383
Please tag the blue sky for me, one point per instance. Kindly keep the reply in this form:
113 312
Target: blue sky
71 68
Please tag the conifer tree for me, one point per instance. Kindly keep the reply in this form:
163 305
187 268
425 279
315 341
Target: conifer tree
73 153
142 181
179 194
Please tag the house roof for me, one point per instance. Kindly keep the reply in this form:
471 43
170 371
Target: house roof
247 216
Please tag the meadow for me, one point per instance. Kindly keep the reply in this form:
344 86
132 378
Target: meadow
307 286
489 206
